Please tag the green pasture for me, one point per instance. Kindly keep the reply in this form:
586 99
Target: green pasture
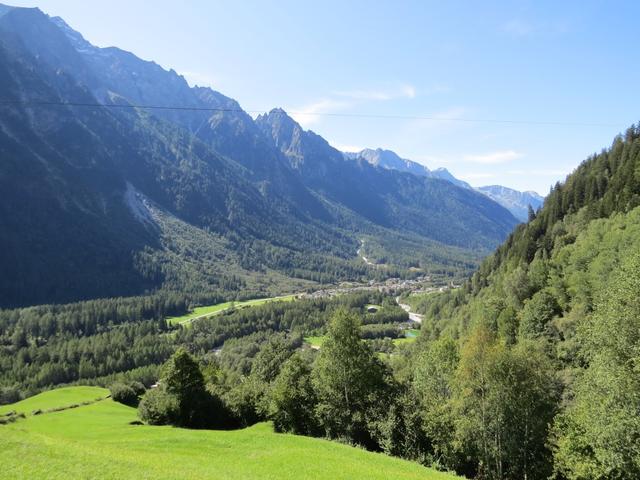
221 307
100 441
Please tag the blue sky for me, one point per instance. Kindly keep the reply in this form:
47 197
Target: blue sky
572 63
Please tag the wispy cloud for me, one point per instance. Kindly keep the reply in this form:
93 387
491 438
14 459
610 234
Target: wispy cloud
339 101
476 176
347 148
312 113
202 79
435 89
518 28
493 158
540 172
433 126
408 91
402 91
364 95
443 117
432 161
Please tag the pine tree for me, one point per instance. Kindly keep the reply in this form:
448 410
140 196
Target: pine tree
182 378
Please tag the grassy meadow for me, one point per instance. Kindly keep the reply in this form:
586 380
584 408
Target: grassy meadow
221 307
315 341
59 398
100 441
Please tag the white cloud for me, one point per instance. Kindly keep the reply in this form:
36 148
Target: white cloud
365 95
476 176
347 148
430 161
202 79
551 172
312 113
403 91
438 120
494 158
435 89
409 91
518 28
338 101
419 134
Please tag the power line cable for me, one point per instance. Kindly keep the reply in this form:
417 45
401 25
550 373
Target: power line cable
324 114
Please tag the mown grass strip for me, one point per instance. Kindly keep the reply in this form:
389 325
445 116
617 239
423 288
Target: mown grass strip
208 310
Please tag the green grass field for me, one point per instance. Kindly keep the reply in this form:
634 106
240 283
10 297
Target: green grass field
314 341
61 397
221 307
410 335
98 441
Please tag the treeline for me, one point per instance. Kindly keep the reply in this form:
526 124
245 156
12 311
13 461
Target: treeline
101 341
36 325
31 367
49 345
343 392
303 316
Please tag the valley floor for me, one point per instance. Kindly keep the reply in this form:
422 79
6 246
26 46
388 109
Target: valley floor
209 310
98 441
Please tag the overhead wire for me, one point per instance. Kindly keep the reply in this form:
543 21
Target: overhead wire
33 103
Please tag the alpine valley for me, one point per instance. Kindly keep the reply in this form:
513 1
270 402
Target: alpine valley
188 291
135 196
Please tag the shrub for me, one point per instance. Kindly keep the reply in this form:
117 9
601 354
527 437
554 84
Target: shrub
10 417
138 387
158 407
9 395
124 394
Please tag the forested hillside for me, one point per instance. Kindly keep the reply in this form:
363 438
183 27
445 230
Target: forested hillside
558 303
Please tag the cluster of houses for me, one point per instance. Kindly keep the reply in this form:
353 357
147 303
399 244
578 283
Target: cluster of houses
391 286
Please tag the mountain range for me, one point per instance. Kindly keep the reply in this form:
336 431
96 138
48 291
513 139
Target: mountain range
513 200
108 189
392 161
